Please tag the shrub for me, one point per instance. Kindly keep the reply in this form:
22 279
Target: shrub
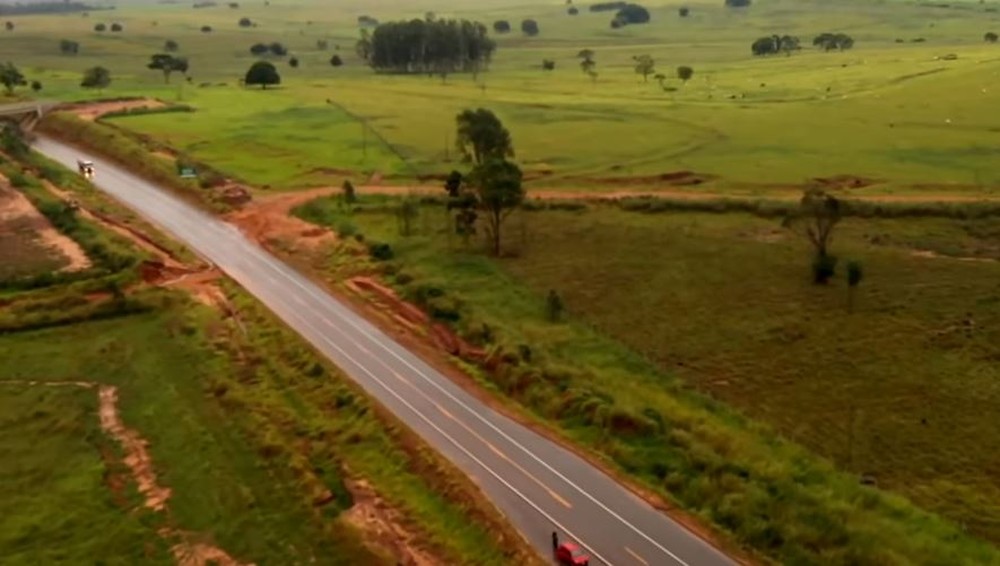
501 26
824 267
346 229
380 251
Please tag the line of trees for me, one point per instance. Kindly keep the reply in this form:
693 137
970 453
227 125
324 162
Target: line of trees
274 48
432 47
831 41
775 44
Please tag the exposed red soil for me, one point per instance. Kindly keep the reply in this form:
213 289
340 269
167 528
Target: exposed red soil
269 218
137 456
94 110
15 207
382 527
844 182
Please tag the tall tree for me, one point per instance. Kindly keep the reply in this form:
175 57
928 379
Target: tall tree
11 78
97 78
587 62
167 64
645 66
363 47
817 216
262 73
499 187
685 73
481 136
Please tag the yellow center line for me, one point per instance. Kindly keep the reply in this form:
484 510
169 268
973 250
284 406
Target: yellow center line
636 556
562 501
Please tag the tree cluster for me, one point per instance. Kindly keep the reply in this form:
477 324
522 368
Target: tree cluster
67 47
775 44
630 14
168 64
97 78
274 48
25 8
831 41
433 47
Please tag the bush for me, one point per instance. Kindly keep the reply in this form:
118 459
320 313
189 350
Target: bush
501 26
346 229
380 251
824 267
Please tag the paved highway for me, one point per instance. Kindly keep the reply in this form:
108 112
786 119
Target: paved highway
538 485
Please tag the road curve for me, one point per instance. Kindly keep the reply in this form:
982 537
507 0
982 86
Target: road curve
540 486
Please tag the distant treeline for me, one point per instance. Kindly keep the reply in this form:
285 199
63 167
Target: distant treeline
438 46
607 6
20 9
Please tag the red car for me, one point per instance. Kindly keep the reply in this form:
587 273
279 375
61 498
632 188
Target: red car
569 554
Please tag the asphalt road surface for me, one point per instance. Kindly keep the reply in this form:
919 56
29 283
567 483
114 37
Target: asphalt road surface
538 485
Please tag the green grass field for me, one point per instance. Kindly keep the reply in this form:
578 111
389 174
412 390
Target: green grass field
245 446
55 504
897 390
893 112
220 489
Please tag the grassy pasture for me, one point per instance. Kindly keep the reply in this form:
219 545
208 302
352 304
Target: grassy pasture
245 430
899 389
55 506
885 110
219 490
